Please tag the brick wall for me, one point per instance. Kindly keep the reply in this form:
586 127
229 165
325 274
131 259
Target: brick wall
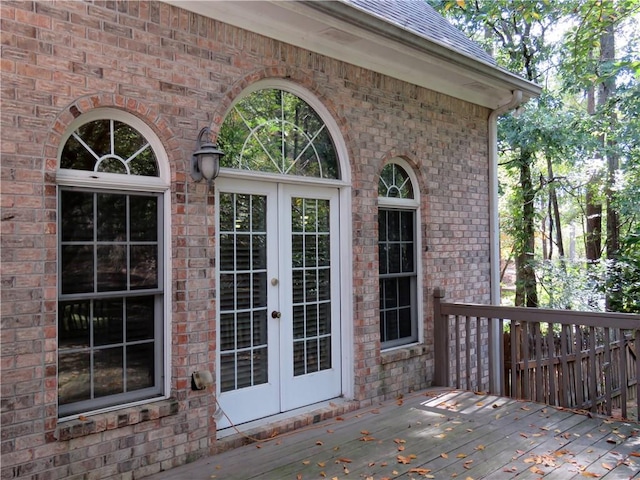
179 72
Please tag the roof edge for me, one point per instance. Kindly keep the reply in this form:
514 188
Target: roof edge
362 19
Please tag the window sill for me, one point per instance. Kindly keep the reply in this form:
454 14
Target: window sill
81 427
404 352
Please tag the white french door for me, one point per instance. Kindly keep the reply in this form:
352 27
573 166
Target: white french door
279 298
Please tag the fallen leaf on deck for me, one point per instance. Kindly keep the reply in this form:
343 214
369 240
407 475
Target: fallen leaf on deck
607 466
329 431
399 440
480 447
299 476
444 455
364 432
321 464
524 435
421 471
384 464
344 460
320 442
510 470
536 470
404 460
634 454
306 462
367 439
400 448
461 455
590 474
467 464
339 419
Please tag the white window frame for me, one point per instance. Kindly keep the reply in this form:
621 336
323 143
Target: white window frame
393 203
101 181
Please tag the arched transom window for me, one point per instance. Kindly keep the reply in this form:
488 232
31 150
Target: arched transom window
275 131
109 146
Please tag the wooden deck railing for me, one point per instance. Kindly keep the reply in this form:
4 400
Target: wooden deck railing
581 360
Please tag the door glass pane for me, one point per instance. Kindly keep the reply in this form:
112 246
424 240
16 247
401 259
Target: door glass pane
311 284
243 291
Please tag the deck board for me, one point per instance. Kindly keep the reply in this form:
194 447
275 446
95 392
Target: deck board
446 434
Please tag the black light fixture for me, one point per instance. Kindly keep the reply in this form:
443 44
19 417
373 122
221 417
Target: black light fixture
205 161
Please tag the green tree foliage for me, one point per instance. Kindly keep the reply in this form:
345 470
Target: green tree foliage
569 161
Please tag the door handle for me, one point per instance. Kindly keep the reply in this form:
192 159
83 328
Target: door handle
275 314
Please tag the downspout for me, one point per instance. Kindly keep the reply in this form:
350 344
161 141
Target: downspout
494 231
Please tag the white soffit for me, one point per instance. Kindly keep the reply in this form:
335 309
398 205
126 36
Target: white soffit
340 31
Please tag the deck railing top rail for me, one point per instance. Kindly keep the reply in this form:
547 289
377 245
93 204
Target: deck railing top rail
625 321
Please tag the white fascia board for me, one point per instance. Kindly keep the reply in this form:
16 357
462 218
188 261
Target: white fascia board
339 31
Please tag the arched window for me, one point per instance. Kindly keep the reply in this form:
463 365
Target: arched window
111 277
275 131
398 256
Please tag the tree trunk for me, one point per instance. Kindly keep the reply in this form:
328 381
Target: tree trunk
607 91
526 283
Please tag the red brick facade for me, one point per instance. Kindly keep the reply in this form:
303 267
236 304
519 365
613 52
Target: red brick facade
179 72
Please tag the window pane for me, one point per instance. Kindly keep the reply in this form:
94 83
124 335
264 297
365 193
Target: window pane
243 332
73 324
259 251
140 318
227 255
227 332
76 216
112 268
227 372
243 252
76 269
108 325
312 320
259 290
74 377
140 366
144 267
143 218
108 370
112 218
298 321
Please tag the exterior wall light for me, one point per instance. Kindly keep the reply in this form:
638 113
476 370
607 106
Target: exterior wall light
205 161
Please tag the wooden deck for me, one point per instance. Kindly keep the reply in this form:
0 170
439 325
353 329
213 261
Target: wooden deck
441 435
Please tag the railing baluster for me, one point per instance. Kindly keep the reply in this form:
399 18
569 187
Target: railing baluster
500 356
564 389
636 345
526 392
607 370
551 365
579 374
514 359
492 356
622 364
593 373
457 329
538 353
467 345
479 354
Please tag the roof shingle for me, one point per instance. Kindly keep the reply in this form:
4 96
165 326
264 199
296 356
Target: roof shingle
419 18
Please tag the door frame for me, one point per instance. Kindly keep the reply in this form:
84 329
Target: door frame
345 258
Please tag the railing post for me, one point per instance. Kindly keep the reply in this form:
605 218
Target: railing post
441 340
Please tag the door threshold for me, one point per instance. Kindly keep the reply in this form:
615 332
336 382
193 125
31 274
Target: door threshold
268 427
